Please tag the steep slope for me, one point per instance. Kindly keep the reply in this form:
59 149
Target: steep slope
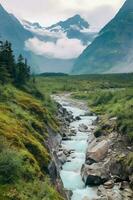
24 155
12 30
111 51
29 25
74 27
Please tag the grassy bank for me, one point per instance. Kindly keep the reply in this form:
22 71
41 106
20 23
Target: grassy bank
113 103
24 157
110 95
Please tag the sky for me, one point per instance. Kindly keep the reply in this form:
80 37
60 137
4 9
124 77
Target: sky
47 12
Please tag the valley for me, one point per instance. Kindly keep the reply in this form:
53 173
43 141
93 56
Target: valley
89 160
61 133
66 100
110 98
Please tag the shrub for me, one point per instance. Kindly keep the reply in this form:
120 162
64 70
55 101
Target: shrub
10 166
102 98
38 190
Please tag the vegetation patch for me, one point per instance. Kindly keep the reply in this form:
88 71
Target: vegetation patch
24 159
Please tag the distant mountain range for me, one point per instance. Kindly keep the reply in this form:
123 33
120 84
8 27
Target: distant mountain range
56 48
74 27
112 50
25 37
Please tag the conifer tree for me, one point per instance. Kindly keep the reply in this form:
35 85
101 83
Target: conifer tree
23 70
10 71
4 73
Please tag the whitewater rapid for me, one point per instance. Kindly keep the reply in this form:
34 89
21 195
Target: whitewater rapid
71 170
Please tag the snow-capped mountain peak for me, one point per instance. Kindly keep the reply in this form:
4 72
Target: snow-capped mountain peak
30 25
72 22
74 28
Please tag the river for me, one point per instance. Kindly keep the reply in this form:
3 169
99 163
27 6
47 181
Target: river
78 144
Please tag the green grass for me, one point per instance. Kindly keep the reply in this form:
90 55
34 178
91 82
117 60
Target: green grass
24 159
27 113
110 95
117 103
106 95
35 190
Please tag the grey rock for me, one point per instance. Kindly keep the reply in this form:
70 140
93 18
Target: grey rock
99 151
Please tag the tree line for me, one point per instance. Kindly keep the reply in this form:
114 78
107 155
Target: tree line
17 72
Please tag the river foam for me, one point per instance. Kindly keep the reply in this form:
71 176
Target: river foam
71 170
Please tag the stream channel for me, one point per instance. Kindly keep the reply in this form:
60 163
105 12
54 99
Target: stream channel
78 144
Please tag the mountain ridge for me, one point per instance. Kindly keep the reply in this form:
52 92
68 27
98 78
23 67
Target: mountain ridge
12 30
111 51
76 19
74 27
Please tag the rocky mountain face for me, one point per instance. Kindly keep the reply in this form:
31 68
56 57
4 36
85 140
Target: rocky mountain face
111 51
74 27
12 30
29 25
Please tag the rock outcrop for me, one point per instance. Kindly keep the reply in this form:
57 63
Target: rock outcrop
95 174
99 151
104 167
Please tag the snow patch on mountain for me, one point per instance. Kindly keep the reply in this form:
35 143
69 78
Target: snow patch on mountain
63 40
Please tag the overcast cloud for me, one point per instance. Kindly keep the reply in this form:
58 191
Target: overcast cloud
47 12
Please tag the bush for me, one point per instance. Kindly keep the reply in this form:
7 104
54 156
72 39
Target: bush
102 98
16 165
10 166
38 190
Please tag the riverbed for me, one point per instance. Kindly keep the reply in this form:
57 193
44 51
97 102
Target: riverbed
77 143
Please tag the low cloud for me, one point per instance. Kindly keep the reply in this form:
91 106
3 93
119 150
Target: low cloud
48 33
63 48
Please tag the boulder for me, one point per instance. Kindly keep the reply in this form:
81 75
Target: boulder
98 133
73 132
109 194
118 171
77 118
90 161
109 184
66 138
99 151
66 152
83 128
95 174
127 194
91 140
86 198
61 157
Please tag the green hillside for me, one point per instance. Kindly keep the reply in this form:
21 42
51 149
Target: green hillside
111 51
26 119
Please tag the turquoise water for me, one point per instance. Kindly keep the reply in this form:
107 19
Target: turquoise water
71 170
